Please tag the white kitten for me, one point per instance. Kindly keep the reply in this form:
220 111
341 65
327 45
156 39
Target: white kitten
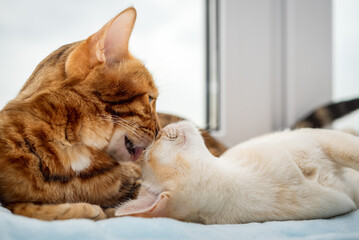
301 174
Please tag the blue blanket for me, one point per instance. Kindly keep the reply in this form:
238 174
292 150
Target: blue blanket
18 227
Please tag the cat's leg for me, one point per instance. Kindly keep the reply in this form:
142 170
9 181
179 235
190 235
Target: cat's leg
110 212
343 149
58 211
340 147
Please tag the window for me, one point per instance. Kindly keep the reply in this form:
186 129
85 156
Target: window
275 64
346 49
169 37
346 56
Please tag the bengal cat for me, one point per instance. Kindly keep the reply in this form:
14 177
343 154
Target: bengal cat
69 139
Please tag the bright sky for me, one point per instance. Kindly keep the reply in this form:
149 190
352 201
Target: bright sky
168 37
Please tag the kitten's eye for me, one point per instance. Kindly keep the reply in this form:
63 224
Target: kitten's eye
150 99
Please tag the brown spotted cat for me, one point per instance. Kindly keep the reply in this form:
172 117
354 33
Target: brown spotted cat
69 139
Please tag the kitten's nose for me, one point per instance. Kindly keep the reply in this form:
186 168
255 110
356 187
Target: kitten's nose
172 133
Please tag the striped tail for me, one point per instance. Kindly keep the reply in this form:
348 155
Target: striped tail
327 114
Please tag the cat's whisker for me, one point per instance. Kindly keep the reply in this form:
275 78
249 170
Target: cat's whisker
133 124
129 128
123 123
128 123
133 129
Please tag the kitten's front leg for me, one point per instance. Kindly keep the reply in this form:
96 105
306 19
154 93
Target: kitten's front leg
340 147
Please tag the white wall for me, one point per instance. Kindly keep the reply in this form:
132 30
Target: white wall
275 59
307 63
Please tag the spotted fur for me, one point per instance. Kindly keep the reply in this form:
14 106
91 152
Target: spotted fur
56 160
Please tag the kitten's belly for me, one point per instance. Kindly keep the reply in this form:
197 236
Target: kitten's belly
293 155
294 177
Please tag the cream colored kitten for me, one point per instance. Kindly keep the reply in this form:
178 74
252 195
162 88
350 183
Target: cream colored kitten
301 174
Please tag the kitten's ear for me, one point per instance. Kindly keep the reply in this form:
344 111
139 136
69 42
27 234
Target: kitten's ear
109 44
147 205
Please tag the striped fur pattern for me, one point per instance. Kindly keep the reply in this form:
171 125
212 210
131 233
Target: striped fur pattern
69 140
327 114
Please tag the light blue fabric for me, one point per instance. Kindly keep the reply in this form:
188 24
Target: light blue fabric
18 227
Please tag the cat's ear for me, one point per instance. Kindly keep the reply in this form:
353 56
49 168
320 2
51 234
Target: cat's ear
147 204
109 44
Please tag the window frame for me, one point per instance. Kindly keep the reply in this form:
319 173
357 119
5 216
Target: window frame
268 75
212 75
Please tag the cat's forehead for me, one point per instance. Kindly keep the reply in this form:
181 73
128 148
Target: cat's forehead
135 70
130 73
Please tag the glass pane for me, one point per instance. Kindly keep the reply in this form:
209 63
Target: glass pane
346 56
169 37
346 48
